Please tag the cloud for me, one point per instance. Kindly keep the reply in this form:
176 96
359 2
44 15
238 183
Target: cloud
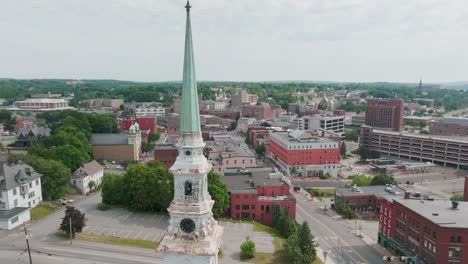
344 40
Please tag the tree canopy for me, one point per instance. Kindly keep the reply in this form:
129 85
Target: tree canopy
362 180
382 179
219 193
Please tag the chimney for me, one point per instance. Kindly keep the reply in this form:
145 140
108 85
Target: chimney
407 195
465 193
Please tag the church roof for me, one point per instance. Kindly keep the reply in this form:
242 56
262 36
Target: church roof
190 112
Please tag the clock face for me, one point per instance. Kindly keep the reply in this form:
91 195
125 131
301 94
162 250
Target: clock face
187 225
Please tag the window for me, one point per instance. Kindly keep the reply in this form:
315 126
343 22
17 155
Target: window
253 216
262 208
245 215
37 182
14 191
31 195
245 207
452 239
30 185
252 207
459 239
246 196
237 207
14 220
188 188
15 202
267 208
237 215
237 196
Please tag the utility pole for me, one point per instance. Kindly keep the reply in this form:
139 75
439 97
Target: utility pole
27 242
71 234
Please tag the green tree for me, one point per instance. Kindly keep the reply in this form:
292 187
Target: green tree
293 171
113 190
233 126
147 147
322 106
92 184
456 197
125 113
290 250
305 243
148 188
153 137
219 193
276 214
362 180
55 175
286 226
77 221
343 149
352 134
70 156
154 163
260 150
247 249
382 179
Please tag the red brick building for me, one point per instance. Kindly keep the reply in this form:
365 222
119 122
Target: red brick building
449 127
145 123
262 111
309 155
255 191
385 113
432 232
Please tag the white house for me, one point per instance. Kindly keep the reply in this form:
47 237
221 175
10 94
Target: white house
91 171
20 190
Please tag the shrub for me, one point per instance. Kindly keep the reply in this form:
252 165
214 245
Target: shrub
247 249
103 207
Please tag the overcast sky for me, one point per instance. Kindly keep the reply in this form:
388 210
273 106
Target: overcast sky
236 40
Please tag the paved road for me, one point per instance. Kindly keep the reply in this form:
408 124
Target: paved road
335 237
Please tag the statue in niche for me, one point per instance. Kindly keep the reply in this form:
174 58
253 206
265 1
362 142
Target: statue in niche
188 188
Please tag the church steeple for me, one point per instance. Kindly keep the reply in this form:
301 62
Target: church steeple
190 113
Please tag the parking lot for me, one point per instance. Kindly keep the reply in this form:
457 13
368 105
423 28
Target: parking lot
118 222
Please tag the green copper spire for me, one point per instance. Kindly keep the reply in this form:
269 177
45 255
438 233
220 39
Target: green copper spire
190 113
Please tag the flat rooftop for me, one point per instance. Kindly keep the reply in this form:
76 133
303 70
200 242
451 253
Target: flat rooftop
439 212
444 138
246 180
378 191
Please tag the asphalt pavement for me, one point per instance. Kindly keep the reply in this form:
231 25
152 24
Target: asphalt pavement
335 237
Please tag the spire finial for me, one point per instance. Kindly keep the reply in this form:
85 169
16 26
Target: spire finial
188 6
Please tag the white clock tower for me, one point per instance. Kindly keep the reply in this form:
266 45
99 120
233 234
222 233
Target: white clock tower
193 236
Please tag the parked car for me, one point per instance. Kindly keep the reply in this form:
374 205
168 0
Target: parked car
63 201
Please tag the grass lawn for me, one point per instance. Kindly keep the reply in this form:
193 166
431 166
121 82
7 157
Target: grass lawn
42 210
270 258
113 240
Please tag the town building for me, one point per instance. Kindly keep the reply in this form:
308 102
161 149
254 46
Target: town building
365 200
449 126
41 105
229 151
165 150
314 123
23 122
425 102
423 120
244 123
30 136
254 192
118 147
241 97
441 150
88 172
193 235
262 111
47 95
149 110
20 190
98 103
385 113
302 154
144 123
426 230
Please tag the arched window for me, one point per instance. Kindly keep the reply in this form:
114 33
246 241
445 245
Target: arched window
188 188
